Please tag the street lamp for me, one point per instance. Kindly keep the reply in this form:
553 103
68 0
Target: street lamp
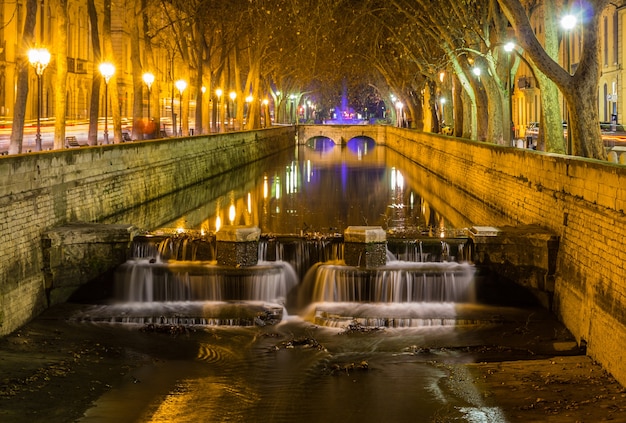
39 59
266 112
442 100
247 117
107 70
148 78
233 96
399 107
181 85
509 47
292 112
218 93
568 22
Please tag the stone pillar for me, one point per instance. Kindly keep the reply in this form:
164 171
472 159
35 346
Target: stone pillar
79 253
365 246
238 246
524 254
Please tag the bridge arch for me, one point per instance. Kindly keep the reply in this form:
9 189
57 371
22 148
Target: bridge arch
361 144
342 134
320 143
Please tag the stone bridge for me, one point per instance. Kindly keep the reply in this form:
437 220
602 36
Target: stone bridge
341 134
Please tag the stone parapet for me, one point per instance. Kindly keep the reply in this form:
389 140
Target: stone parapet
365 246
237 246
42 191
78 253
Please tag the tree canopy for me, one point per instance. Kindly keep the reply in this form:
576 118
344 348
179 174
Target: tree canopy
361 56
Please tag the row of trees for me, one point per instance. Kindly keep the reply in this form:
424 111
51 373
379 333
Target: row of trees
414 50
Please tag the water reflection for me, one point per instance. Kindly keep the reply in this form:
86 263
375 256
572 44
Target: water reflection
322 191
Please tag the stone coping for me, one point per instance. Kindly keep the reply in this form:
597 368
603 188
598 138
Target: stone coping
365 234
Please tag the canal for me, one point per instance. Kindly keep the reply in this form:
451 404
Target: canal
86 362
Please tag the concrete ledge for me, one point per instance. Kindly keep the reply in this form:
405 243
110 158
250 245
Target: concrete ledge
237 246
365 246
238 234
78 253
525 254
364 234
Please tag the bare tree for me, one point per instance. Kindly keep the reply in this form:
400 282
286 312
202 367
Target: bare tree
580 89
19 110
60 85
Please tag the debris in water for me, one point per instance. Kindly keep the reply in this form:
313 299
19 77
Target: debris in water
337 369
173 330
355 327
300 343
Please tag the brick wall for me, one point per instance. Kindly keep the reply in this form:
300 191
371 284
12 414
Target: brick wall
581 201
96 184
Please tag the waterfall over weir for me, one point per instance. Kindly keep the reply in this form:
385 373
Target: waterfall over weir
176 280
397 282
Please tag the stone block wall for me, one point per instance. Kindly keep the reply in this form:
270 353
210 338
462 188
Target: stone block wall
580 200
93 184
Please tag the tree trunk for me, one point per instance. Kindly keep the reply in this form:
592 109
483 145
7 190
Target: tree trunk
21 95
60 86
581 89
113 94
458 115
155 109
139 123
94 104
550 137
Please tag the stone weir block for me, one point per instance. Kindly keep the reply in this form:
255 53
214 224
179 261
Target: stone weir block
238 246
78 253
524 254
365 246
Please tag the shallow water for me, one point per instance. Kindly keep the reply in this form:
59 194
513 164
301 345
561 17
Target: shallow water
298 371
336 361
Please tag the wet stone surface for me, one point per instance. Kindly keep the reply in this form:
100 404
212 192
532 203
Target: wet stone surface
524 368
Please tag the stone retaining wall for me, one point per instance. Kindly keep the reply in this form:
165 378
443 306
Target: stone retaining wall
91 184
582 201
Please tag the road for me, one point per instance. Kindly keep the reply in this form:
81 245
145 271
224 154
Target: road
78 129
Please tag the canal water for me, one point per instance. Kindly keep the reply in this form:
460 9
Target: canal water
325 354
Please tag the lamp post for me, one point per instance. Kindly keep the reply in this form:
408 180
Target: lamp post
233 96
442 100
218 93
399 107
181 85
292 114
148 78
39 59
508 47
266 112
246 117
107 70
568 22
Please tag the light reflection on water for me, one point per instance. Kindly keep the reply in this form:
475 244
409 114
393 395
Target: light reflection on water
321 191
247 375
235 374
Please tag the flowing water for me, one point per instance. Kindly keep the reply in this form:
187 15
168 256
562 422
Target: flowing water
301 336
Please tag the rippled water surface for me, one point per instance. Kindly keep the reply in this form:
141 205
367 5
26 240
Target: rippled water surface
391 357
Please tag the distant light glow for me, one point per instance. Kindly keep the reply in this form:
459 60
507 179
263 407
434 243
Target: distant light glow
181 84
568 21
232 213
